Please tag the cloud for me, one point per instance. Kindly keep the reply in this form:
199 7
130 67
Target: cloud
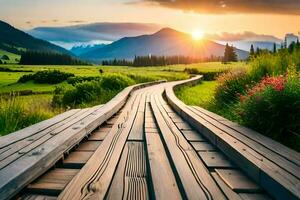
247 35
291 7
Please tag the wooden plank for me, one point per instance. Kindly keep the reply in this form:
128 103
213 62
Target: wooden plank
203 146
276 180
237 181
183 126
31 130
193 136
98 135
163 179
53 182
137 132
89 146
36 197
95 177
22 171
247 196
194 176
129 181
215 160
280 149
77 159
255 143
230 194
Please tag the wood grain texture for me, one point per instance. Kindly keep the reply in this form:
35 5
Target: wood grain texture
194 177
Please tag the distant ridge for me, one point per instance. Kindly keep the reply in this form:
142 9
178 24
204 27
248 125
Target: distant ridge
14 41
165 42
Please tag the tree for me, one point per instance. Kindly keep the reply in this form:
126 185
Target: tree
292 47
258 51
230 54
1 62
274 48
5 57
252 52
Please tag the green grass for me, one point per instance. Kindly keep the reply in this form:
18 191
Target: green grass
12 57
23 111
198 95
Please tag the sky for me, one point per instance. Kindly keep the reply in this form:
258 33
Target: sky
271 17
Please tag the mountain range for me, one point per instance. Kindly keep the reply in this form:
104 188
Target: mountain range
89 34
166 42
14 40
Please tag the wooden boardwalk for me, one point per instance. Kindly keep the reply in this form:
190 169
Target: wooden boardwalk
145 144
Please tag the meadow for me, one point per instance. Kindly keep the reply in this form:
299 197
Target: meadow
19 110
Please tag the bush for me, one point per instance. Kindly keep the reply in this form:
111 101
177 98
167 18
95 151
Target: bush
50 77
80 79
5 57
272 107
115 82
230 86
89 92
1 62
207 76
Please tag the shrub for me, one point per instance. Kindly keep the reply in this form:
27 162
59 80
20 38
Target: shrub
230 86
115 82
207 75
5 57
80 79
1 62
50 77
272 107
89 92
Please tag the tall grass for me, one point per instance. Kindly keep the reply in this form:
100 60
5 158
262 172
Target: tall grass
17 113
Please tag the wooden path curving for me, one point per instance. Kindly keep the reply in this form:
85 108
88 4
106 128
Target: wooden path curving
145 144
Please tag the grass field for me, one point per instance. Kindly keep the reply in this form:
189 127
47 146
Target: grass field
12 57
198 95
21 111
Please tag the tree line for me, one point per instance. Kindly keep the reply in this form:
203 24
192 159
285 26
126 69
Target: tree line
152 60
48 58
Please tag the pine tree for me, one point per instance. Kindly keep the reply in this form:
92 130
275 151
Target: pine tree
274 48
252 51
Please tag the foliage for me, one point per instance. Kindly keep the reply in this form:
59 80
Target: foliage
207 75
6 69
50 77
229 54
90 91
273 108
230 86
17 113
48 58
80 79
5 57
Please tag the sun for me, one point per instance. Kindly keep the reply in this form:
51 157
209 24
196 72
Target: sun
197 35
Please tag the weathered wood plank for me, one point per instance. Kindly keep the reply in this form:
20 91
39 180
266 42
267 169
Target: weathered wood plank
237 181
53 182
129 181
203 146
276 180
89 146
194 176
15 176
230 194
99 170
163 179
193 136
247 196
215 160
98 135
36 197
77 159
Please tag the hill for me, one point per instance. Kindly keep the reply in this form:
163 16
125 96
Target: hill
166 42
78 50
95 33
15 41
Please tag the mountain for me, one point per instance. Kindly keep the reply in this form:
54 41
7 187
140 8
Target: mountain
78 50
14 40
165 42
96 33
245 45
